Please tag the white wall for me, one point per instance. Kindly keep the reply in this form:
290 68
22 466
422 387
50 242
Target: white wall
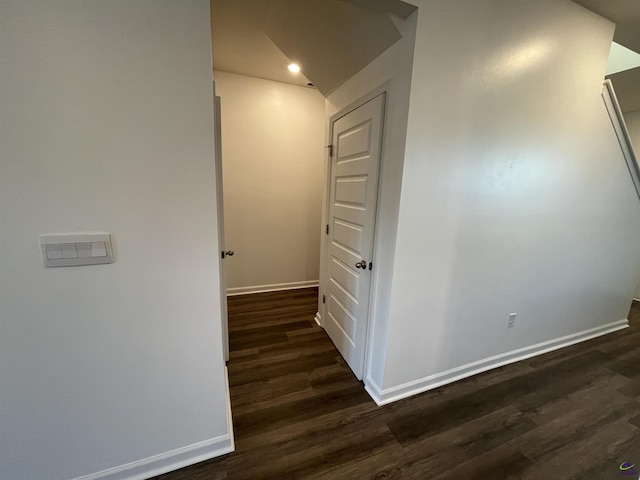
106 125
632 119
391 71
273 152
515 197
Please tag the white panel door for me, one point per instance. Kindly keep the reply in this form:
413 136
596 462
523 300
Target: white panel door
355 164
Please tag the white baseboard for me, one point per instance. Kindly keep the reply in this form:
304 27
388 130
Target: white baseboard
389 395
174 459
318 319
274 287
374 391
229 414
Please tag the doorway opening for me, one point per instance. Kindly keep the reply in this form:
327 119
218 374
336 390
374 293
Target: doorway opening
296 217
273 194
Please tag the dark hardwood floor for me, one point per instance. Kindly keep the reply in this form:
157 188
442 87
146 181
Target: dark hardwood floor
299 413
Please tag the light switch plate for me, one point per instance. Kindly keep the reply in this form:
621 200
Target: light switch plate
74 250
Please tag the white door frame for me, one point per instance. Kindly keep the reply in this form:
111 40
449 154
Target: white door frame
324 245
217 118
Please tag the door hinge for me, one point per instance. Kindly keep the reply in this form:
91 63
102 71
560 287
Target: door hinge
370 265
330 147
324 300
327 230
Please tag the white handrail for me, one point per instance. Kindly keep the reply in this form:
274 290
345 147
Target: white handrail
620 127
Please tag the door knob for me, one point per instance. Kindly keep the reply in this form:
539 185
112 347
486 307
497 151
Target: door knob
362 264
227 253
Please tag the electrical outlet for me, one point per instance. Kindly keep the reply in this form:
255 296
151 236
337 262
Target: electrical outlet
512 320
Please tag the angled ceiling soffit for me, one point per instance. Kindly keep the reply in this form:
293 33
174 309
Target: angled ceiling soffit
627 87
393 7
331 39
624 13
240 45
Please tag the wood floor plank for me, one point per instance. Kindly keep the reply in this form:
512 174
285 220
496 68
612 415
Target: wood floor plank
579 456
436 454
506 467
288 413
299 413
309 427
322 457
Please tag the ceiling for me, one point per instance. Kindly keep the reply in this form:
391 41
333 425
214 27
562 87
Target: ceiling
331 40
240 45
627 87
260 38
626 15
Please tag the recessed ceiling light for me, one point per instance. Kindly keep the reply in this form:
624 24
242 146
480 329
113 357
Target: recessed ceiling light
294 68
